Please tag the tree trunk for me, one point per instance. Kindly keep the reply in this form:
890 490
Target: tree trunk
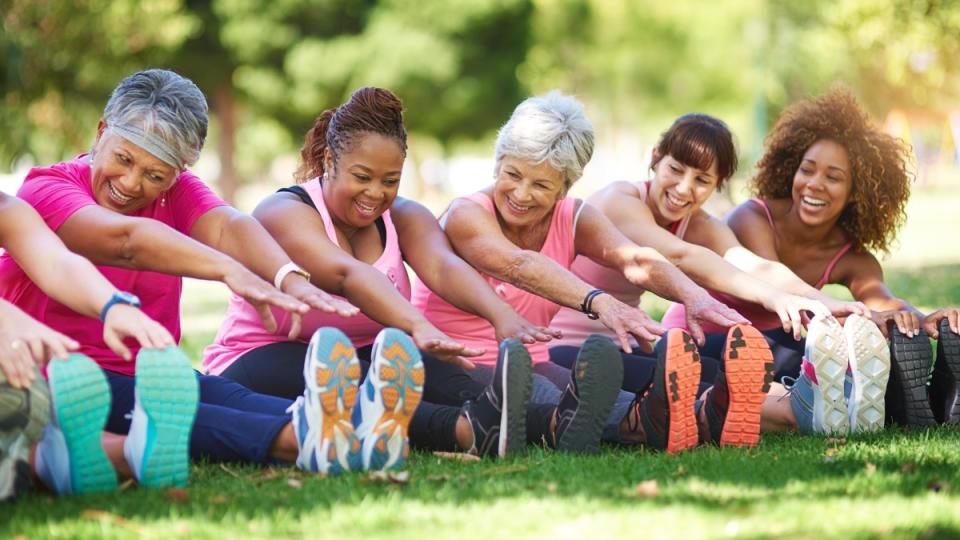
226 107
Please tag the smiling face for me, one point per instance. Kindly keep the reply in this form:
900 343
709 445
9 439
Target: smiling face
822 183
525 193
678 190
126 178
364 181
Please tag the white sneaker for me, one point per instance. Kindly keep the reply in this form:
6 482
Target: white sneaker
870 362
826 349
321 416
388 398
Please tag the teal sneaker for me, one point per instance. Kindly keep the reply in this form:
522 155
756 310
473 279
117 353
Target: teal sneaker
322 415
388 398
166 397
70 457
23 414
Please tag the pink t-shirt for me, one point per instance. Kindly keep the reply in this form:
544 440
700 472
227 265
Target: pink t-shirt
56 192
676 315
576 326
475 331
242 331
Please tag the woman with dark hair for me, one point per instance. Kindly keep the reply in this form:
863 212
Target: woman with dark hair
347 227
693 159
831 189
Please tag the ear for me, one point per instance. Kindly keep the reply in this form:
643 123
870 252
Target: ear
327 160
655 157
101 127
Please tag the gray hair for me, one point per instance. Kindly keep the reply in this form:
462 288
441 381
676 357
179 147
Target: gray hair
551 128
162 112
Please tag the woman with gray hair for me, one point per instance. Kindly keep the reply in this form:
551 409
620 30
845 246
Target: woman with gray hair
522 233
132 207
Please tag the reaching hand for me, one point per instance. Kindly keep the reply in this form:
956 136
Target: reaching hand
434 342
125 321
514 326
931 323
840 308
25 343
707 309
261 295
790 309
907 321
625 320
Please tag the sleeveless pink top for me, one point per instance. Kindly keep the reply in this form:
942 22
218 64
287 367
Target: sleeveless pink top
676 316
575 325
475 331
242 330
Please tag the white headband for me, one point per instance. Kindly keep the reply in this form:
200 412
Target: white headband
149 142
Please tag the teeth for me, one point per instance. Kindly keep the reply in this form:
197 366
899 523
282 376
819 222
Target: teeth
116 194
367 209
675 201
814 202
517 207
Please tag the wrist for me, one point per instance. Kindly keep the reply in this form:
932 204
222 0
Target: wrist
285 271
119 297
589 306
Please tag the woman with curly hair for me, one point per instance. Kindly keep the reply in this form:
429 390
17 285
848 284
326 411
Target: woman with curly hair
831 190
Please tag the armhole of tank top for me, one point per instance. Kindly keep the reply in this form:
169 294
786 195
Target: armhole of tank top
825 278
766 210
576 218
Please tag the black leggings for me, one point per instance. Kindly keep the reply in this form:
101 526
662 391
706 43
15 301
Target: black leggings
638 367
787 352
277 369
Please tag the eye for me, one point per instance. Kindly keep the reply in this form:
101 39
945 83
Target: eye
806 170
391 181
513 174
155 178
122 158
676 169
361 177
543 186
833 179
703 181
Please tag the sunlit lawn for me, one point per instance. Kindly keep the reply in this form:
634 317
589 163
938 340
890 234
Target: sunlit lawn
891 485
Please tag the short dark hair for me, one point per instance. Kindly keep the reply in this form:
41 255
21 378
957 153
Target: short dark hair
698 140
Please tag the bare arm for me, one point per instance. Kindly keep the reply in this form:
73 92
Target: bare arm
428 251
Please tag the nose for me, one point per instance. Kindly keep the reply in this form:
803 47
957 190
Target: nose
685 186
522 192
128 183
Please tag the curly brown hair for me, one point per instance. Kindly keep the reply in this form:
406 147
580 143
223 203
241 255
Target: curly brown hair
880 164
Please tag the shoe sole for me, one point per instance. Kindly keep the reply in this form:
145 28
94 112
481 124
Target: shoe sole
80 397
599 373
911 361
682 379
168 391
948 352
870 363
516 386
333 374
748 366
397 383
827 350
25 414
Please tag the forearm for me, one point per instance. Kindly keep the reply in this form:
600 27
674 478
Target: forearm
665 280
244 239
368 289
87 300
542 276
775 273
151 245
460 284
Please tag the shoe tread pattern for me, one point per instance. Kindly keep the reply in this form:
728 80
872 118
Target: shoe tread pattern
398 380
870 357
747 365
682 379
519 385
948 352
599 373
828 352
911 362
332 374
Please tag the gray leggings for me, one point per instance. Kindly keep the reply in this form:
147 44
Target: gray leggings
549 382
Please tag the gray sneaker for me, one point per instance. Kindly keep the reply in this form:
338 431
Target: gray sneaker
23 415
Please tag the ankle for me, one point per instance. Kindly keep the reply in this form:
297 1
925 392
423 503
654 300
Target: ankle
463 433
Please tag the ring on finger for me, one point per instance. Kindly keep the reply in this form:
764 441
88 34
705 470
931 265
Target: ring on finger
16 344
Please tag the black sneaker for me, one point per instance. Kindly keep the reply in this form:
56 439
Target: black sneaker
907 403
499 415
23 414
945 386
667 408
585 404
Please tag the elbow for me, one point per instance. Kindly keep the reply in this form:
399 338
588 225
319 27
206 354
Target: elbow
516 269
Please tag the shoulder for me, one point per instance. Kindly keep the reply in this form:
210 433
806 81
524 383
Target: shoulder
746 216
856 264
614 192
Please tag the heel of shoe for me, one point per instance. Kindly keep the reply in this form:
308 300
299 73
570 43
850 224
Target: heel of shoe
746 362
682 381
911 362
870 362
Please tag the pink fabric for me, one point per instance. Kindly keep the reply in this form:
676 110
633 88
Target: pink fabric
242 330
676 315
475 331
575 325
56 192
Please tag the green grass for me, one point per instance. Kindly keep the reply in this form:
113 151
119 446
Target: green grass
889 485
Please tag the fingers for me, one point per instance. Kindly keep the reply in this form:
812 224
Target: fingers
266 316
954 318
115 342
295 324
11 370
466 364
696 331
60 345
623 338
931 324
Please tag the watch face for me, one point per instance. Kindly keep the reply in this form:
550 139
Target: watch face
128 298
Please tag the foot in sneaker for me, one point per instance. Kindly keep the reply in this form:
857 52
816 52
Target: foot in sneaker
499 416
23 414
818 398
907 402
732 405
667 408
322 415
388 398
870 366
585 404
166 395
70 457
945 385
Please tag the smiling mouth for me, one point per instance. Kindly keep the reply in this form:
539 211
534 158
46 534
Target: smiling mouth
810 201
676 202
118 197
517 208
365 209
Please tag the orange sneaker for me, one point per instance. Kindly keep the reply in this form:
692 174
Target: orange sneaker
667 409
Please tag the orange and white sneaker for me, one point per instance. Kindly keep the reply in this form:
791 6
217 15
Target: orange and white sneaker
667 408
733 404
388 398
321 416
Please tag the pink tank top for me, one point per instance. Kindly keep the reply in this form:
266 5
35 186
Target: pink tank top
676 316
242 330
575 325
475 331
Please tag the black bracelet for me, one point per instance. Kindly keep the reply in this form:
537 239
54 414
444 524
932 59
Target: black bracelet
587 305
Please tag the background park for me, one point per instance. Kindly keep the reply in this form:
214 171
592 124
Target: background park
269 68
